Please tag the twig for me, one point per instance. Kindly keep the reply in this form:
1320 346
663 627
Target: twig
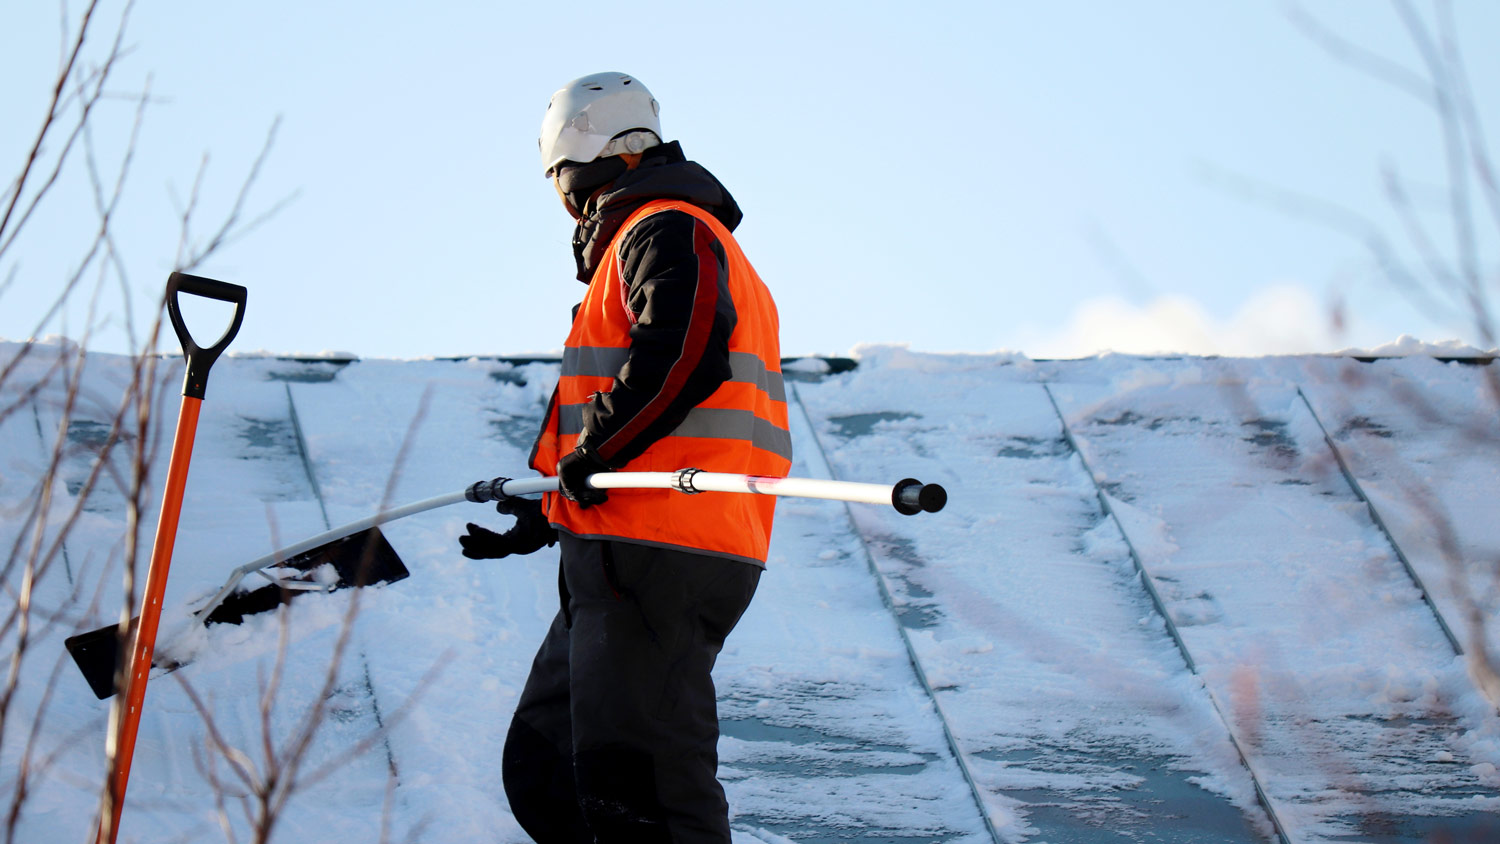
1437 269
1338 218
1458 77
65 132
1367 61
35 152
280 774
98 79
230 230
106 208
364 745
206 761
10 279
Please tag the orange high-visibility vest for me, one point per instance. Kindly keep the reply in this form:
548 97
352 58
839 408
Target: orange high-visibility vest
741 429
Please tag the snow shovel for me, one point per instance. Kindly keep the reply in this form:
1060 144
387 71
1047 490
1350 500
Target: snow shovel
362 559
125 716
378 563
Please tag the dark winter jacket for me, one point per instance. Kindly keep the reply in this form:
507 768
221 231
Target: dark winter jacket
664 260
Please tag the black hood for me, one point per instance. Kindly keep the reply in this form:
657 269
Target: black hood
664 173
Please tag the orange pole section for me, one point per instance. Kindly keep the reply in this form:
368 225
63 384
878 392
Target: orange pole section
128 710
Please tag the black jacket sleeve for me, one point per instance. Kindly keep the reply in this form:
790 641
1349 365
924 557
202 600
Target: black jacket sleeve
677 287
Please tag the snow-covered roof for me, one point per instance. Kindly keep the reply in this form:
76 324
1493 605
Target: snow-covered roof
1175 600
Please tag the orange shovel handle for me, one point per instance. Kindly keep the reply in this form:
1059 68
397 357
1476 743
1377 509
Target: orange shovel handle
125 717
127 711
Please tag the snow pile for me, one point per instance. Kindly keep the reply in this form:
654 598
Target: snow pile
1408 346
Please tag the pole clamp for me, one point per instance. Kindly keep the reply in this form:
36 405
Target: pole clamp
682 481
481 491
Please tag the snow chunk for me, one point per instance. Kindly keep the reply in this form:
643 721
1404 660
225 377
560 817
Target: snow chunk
1149 534
1409 346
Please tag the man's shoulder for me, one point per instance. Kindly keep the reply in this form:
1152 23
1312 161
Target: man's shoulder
674 215
667 223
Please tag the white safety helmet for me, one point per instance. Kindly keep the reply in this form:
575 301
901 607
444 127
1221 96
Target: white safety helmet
593 117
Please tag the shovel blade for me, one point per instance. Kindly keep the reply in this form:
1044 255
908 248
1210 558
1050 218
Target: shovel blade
363 559
97 654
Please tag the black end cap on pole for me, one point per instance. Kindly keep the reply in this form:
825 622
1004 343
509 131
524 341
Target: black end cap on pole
910 497
200 359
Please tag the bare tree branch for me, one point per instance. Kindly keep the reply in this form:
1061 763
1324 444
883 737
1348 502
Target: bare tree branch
1340 219
63 75
188 257
10 279
66 132
280 774
105 208
89 99
1466 248
1442 276
1366 61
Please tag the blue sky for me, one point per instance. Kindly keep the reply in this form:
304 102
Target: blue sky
1053 178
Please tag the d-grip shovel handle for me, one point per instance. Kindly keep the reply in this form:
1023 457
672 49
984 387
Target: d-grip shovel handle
199 359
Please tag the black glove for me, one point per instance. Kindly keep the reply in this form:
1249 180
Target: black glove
530 532
572 477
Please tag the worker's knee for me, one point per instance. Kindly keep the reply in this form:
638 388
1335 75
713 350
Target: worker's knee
538 781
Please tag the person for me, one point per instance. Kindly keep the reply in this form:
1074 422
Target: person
672 362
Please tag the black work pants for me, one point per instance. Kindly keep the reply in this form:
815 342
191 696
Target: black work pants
615 737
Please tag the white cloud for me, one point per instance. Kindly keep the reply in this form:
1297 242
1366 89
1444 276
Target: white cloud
1281 319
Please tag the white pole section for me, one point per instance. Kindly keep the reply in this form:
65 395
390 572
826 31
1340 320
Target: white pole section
909 496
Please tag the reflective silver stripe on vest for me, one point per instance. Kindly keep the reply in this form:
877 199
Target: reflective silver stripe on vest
606 362
746 368
594 361
710 423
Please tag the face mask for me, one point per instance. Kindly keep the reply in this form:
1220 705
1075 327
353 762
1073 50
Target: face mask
577 183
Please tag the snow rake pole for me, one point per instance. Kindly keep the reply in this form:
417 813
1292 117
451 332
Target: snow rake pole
125 715
908 496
